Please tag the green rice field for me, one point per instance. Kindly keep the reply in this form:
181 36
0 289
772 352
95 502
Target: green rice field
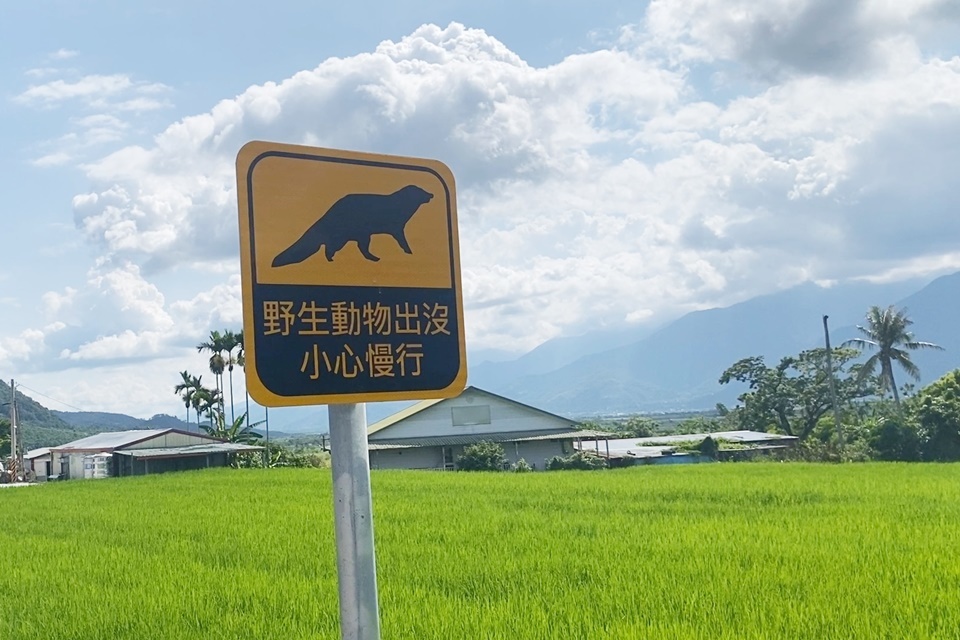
752 550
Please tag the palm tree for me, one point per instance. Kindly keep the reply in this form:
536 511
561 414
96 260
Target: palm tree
886 331
215 345
207 401
231 341
242 362
186 389
198 399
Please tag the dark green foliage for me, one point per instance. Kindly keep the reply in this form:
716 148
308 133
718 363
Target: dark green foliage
637 427
282 456
892 438
937 411
793 396
701 424
709 447
482 456
4 437
102 421
581 460
34 437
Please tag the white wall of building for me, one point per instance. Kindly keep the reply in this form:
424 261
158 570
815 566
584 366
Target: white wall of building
171 440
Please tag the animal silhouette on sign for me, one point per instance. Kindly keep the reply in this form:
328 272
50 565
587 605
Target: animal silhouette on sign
358 217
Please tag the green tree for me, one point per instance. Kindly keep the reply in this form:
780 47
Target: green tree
231 342
207 402
937 411
482 456
794 395
186 389
887 332
241 361
237 431
216 346
637 427
4 437
893 438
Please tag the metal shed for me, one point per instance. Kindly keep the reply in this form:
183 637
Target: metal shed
144 451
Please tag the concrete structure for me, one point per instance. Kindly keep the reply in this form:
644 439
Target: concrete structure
139 452
433 433
42 464
666 449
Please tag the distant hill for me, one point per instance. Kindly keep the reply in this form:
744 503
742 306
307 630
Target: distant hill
29 411
677 367
101 421
39 427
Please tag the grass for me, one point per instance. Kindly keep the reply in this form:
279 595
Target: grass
700 551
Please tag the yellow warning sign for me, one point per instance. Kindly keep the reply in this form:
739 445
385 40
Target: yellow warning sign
351 278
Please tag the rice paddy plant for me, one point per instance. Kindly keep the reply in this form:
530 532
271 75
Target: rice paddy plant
700 551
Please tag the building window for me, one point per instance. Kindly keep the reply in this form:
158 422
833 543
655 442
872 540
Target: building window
466 416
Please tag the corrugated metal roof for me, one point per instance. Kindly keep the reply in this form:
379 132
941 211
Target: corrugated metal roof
466 439
622 447
189 450
112 439
36 453
117 439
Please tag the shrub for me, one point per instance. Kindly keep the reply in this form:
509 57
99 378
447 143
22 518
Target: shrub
483 456
581 460
522 466
709 447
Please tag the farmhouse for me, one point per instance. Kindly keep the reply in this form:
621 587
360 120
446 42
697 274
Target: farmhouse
432 433
139 452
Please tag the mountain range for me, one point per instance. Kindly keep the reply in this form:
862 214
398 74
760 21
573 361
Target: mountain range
677 367
671 368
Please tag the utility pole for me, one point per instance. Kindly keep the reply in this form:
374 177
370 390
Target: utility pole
833 385
16 458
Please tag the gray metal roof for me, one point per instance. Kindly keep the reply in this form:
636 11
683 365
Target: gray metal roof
118 439
111 440
189 450
514 436
655 446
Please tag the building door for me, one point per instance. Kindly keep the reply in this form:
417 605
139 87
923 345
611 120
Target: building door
448 463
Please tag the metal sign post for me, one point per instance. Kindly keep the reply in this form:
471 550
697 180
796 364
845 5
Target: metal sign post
350 270
353 523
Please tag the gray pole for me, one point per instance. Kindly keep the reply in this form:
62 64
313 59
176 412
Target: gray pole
266 421
13 425
15 458
833 385
353 522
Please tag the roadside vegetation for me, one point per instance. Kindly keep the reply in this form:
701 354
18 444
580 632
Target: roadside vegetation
697 551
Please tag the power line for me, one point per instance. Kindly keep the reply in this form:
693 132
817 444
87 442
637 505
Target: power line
20 385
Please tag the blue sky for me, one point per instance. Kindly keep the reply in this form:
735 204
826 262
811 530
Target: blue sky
618 163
